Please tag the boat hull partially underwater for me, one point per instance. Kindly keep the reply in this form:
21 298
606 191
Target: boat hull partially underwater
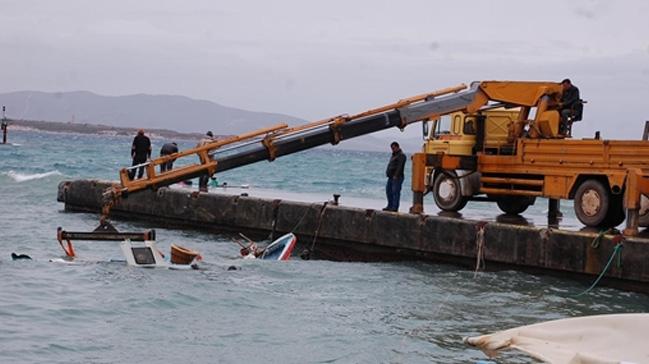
281 248
139 249
146 255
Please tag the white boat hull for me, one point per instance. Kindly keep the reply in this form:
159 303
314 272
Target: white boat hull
147 255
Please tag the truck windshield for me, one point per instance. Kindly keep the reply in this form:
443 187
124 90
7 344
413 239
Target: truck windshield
442 126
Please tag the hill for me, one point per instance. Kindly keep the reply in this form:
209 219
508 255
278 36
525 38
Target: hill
165 115
178 113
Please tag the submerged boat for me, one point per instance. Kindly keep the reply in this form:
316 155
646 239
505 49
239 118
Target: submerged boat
281 248
139 249
146 255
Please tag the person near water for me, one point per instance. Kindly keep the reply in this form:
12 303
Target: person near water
140 152
394 172
167 149
204 179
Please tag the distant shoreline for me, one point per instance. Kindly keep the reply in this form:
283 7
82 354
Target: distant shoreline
108 130
97 129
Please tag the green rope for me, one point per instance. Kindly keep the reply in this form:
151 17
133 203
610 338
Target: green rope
617 250
598 239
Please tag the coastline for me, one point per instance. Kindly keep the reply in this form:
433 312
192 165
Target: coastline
60 127
97 129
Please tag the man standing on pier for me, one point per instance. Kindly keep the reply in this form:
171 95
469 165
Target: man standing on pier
204 179
168 149
394 172
140 151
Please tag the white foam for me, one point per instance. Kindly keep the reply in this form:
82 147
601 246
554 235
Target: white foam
21 177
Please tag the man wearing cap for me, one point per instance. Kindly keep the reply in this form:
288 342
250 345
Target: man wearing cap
204 179
140 152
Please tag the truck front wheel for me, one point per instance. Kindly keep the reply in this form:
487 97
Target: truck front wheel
514 205
592 203
448 193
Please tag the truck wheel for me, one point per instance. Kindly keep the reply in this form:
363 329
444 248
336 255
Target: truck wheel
592 202
448 193
514 205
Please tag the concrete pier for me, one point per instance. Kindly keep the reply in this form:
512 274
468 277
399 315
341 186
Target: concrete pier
348 233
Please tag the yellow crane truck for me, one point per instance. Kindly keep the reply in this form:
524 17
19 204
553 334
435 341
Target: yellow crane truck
499 153
505 146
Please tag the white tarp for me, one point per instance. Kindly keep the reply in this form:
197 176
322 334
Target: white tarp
603 339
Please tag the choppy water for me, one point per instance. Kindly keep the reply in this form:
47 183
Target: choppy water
289 312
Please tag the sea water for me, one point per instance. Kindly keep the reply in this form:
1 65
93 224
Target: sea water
264 312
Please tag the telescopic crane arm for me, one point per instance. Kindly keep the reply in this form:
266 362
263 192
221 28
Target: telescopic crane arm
279 140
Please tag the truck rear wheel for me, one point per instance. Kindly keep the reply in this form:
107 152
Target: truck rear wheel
592 203
514 205
448 193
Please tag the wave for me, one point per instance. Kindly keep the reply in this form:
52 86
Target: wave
22 177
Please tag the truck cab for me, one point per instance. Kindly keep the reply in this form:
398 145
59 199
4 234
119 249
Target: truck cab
463 134
459 133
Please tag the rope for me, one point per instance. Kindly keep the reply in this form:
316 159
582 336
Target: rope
303 216
307 253
275 215
617 251
480 247
274 224
598 239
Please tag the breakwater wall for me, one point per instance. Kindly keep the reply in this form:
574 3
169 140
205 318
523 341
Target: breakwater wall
349 233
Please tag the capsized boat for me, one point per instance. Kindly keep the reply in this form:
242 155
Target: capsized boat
280 249
599 339
139 249
146 255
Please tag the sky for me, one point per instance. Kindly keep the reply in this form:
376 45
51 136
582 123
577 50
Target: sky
318 59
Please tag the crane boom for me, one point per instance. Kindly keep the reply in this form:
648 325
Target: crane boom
280 140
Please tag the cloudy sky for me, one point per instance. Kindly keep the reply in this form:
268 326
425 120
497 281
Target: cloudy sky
317 59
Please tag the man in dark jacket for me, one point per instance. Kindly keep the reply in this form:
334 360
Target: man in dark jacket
394 172
167 149
204 179
140 151
569 102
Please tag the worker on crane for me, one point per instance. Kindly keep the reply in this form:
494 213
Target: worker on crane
571 106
